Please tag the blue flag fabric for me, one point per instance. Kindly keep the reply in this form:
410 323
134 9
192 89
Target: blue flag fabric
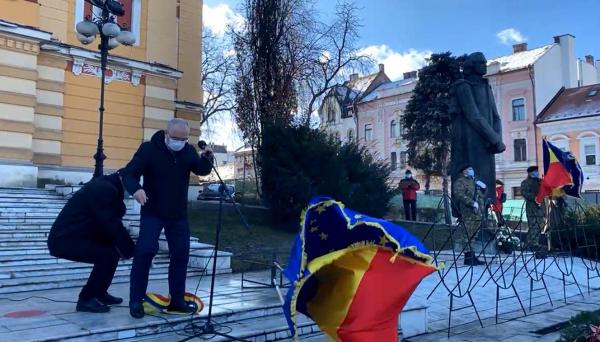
328 227
569 162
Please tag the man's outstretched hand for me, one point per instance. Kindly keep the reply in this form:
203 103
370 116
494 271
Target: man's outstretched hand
140 196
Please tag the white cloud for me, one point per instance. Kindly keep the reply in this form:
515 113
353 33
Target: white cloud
218 18
510 36
396 63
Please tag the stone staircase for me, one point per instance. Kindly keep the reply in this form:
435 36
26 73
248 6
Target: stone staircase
26 216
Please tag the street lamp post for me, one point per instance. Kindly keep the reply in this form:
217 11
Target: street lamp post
110 37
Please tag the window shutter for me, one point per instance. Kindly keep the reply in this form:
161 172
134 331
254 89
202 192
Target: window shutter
87 11
125 20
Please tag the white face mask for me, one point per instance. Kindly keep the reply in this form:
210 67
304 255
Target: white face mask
174 145
408 176
470 172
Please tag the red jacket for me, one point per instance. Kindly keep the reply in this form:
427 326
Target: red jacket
497 206
409 189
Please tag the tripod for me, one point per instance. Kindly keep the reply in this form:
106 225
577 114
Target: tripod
209 328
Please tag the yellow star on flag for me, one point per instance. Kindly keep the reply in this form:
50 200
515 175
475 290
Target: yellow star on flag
320 209
314 229
323 236
383 240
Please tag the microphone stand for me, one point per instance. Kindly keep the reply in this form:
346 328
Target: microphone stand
209 328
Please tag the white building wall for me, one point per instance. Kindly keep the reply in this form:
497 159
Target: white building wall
588 73
547 77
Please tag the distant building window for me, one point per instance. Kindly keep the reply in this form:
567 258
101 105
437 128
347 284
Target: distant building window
590 154
520 147
393 129
403 159
518 109
368 132
394 161
330 115
516 191
338 137
350 135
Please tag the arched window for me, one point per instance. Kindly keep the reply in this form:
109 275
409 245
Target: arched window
350 135
560 141
368 132
338 136
393 129
330 115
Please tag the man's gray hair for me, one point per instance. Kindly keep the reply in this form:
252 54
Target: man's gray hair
178 122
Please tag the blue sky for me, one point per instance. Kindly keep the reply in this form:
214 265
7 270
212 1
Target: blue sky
401 33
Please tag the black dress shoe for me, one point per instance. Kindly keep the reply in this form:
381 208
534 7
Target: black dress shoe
180 306
107 299
136 309
91 305
472 260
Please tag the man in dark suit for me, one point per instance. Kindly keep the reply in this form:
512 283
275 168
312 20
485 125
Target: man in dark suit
89 229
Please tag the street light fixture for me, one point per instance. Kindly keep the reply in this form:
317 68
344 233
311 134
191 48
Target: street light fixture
111 36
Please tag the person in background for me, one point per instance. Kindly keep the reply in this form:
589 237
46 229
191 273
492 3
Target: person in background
165 162
409 187
469 195
535 212
497 206
89 229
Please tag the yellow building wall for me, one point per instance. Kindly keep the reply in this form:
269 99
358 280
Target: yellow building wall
162 32
189 87
20 11
54 14
122 121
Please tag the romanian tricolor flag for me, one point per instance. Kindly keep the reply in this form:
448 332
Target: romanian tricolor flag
352 274
562 173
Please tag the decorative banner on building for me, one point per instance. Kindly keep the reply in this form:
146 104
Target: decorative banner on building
81 67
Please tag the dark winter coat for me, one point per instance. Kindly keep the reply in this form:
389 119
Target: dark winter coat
166 176
94 212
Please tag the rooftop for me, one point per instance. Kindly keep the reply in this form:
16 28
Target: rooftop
573 103
519 60
391 89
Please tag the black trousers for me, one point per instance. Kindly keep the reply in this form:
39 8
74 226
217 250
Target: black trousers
104 257
410 210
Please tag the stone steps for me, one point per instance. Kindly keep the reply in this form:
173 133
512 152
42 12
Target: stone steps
26 216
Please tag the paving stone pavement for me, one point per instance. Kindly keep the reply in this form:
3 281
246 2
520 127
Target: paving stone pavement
513 324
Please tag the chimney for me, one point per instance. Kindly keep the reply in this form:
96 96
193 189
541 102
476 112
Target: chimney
353 77
568 62
589 59
519 47
410 74
381 67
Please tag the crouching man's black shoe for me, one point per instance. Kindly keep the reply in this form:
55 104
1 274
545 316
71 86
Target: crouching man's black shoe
91 305
179 306
136 309
107 299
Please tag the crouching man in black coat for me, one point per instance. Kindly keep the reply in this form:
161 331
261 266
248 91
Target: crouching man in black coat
89 230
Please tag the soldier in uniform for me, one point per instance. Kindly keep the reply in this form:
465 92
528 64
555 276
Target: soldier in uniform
469 196
535 212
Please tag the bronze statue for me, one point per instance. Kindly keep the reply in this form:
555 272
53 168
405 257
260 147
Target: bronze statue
476 128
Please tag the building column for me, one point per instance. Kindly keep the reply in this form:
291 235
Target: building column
47 137
18 76
159 104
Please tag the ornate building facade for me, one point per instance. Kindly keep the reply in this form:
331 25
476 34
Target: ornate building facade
49 86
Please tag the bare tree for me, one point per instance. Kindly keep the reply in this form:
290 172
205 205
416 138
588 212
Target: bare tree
218 71
332 54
